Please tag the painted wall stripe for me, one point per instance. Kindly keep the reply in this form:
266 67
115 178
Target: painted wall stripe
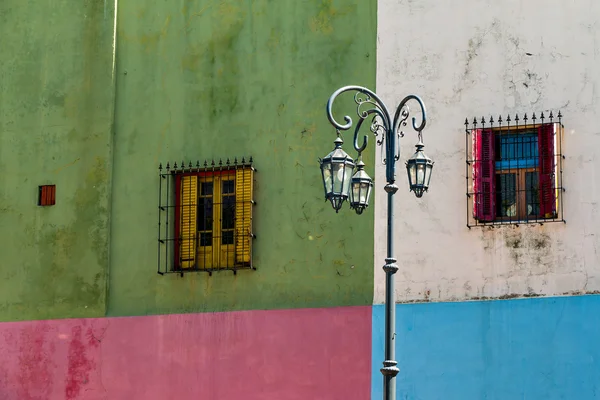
284 354
543 348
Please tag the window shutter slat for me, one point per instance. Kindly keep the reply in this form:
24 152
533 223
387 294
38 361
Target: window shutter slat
546 171
484 176
243 215
188 221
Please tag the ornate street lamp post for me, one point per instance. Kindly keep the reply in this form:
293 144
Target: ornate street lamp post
345 179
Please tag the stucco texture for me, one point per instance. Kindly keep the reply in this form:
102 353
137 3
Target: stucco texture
251 355
56 108
487 59
200 80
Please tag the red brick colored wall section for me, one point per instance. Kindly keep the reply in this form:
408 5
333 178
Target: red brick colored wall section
284 354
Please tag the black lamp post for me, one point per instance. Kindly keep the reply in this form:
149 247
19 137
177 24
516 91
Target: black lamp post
341 184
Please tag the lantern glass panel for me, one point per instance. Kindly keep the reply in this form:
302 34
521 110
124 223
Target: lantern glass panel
365 188
360 192
338 177
347 177
412 173
327 179
428 174
420 174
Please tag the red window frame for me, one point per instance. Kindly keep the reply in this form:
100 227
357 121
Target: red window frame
484 174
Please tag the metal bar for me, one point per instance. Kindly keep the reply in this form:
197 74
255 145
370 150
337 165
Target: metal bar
467 168
560 166
167 221
160 178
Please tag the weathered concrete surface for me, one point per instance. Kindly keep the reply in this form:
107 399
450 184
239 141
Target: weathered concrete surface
56 115
485 58
283 354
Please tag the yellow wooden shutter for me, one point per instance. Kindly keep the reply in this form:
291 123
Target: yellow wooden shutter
243 215
188 222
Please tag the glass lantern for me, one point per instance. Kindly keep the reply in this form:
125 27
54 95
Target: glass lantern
360 189
419 168
337 168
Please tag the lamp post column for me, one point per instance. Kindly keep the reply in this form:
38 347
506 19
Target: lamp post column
390 369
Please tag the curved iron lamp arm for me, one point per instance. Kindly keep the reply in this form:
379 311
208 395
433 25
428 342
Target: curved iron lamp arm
381 124
369 98
403 112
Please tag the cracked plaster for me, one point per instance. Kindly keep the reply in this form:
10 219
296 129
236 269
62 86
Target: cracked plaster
490 58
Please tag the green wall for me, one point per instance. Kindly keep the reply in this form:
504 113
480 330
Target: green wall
194 80
203 79
56 116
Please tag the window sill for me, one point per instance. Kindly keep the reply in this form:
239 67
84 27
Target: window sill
208 270
496 224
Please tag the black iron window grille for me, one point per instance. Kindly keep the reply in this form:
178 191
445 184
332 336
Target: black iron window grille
514 170
205 216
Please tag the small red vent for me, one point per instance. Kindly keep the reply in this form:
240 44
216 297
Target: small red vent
47 195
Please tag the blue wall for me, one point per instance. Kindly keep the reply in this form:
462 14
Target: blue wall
543 348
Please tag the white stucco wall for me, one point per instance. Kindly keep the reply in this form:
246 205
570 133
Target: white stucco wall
482 58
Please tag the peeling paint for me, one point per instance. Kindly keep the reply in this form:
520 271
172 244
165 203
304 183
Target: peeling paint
79 365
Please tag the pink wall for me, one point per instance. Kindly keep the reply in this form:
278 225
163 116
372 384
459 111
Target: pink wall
282 354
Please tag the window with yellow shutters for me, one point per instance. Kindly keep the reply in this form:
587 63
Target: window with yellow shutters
208 226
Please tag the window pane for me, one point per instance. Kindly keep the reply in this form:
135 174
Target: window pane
206 189
517 150
228 213
228 187
227 237
205 214
506 196
532 193
206 239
